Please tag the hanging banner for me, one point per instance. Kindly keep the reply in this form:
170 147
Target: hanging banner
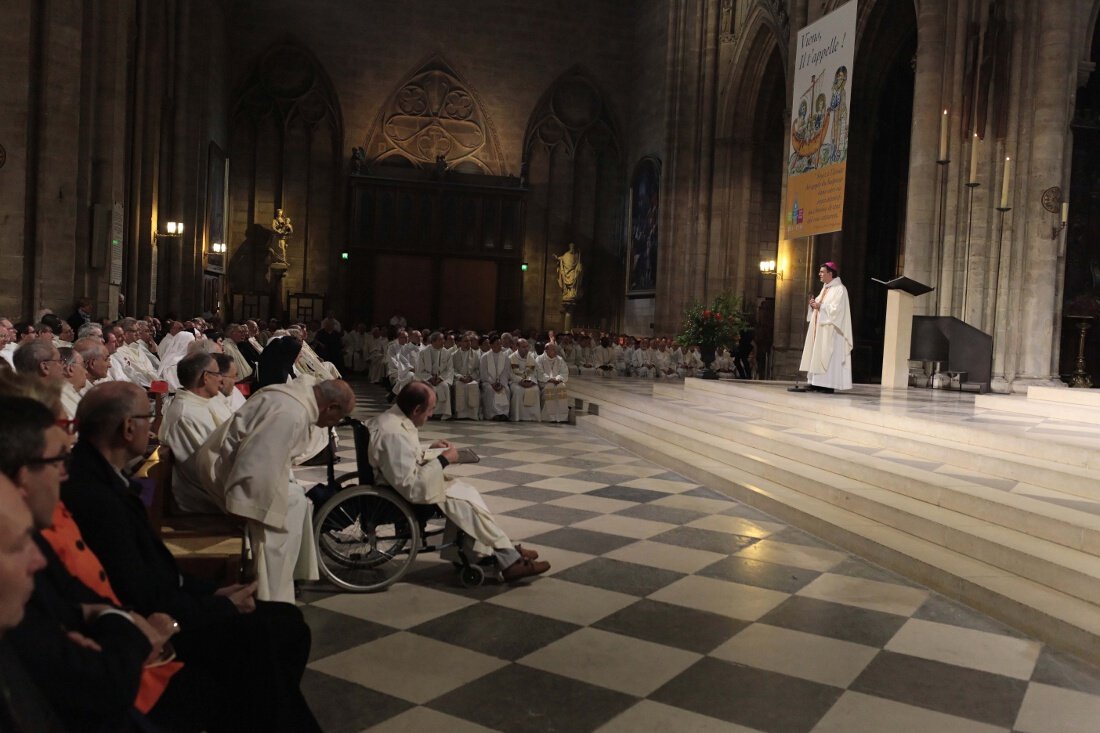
817 157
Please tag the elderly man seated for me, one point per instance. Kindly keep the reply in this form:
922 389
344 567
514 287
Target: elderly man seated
417 473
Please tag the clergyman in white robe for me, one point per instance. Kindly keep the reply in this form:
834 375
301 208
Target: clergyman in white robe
552 375
827 354
466 364
188 421
496 376
434 367
245 468
525 385
413 470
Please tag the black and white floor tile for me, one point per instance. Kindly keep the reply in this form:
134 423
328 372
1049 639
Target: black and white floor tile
669 607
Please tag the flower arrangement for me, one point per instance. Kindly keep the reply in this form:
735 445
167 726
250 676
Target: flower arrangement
713 326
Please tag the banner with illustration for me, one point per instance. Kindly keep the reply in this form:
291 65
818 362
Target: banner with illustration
817 157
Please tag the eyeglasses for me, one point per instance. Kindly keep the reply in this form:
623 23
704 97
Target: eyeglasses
69 426
64 459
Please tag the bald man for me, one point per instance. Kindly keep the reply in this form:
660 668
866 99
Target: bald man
245 465
415 471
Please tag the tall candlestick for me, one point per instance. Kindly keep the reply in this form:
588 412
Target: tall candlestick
1006 183
974 159
1065 212
944 124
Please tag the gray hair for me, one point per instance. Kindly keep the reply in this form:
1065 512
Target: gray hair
29 356
90 329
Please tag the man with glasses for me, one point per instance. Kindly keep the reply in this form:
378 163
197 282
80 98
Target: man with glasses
194 413
40 359
230 397
254 651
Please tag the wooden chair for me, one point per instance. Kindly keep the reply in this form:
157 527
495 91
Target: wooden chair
197 540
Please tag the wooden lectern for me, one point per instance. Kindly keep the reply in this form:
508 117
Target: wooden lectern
899 329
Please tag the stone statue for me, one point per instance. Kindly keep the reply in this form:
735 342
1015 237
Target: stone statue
569 274
358 158
283 230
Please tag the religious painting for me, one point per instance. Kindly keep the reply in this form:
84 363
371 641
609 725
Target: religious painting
817 158
217 176
645 188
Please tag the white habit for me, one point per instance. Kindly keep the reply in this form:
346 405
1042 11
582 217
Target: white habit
245 468
433 364
467 394
525 397
553 374
188 421
496 372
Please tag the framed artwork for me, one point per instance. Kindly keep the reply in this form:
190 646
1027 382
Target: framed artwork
217 176
641 266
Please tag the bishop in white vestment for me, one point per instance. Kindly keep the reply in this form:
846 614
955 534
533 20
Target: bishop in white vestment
827 354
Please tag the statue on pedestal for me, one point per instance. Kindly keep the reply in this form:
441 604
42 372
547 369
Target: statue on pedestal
570 270
283 230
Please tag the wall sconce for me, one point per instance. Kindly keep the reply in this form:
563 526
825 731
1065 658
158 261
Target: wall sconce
172 229
218 248
767 267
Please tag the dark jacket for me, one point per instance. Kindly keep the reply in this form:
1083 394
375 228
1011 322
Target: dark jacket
89 690
115 525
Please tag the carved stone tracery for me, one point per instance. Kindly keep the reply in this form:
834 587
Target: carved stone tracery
435 115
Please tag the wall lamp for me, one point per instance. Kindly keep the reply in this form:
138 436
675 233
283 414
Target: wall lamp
767 267
172 229
218 248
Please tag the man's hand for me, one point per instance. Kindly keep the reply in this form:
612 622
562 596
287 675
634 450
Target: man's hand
449 452
157 637
498 387
80 640
527 383
242 596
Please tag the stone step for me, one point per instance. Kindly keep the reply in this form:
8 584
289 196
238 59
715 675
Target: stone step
1066 469
1059 524
1021 405
1063 620
1076 397
1063 568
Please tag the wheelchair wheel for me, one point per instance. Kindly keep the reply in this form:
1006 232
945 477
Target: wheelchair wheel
471 577
367 538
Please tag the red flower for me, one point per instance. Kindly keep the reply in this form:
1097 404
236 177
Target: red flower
706 314
718 316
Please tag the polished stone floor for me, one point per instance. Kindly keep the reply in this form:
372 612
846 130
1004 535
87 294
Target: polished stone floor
669 607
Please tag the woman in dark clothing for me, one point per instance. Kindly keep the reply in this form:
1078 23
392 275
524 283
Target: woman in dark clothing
277 360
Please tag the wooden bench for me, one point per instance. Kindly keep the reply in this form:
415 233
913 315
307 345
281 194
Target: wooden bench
209 546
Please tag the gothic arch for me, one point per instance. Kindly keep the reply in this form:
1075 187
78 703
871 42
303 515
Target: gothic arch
575 175
435 112
752 55
286 133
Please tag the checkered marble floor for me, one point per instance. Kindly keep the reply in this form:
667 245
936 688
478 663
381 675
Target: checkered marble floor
669 607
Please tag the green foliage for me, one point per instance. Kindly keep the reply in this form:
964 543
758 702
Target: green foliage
718 324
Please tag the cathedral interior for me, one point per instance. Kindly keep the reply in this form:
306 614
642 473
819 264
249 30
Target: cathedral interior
445 162
436 157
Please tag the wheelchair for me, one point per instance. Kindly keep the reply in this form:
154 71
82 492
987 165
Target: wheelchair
369 536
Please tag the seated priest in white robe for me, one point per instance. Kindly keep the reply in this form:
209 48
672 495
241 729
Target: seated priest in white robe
308 362
245 467
586 358
466 391
417 472
553 374
233 351
569 352
180 347
643 361
434 366
662 360
253 330
129 363
193 415
692 362
620 357
229 398
356 349
525 384
496 377
603 356
376 355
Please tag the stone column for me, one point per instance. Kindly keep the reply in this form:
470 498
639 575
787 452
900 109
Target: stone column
922 206
1054 75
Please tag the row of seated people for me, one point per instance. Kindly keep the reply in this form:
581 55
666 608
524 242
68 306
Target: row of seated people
493 384
99 628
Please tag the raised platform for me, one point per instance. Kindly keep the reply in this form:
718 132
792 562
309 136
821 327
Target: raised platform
999 510
1066 406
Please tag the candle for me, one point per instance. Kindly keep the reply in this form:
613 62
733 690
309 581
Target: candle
1006 183
1065 212
974 159
944 124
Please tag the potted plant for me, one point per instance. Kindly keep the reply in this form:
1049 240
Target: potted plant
711 327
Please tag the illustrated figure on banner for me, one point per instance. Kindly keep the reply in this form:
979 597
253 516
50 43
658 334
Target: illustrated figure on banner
570 270
838 106
283 229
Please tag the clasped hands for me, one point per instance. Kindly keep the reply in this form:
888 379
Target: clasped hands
814 304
